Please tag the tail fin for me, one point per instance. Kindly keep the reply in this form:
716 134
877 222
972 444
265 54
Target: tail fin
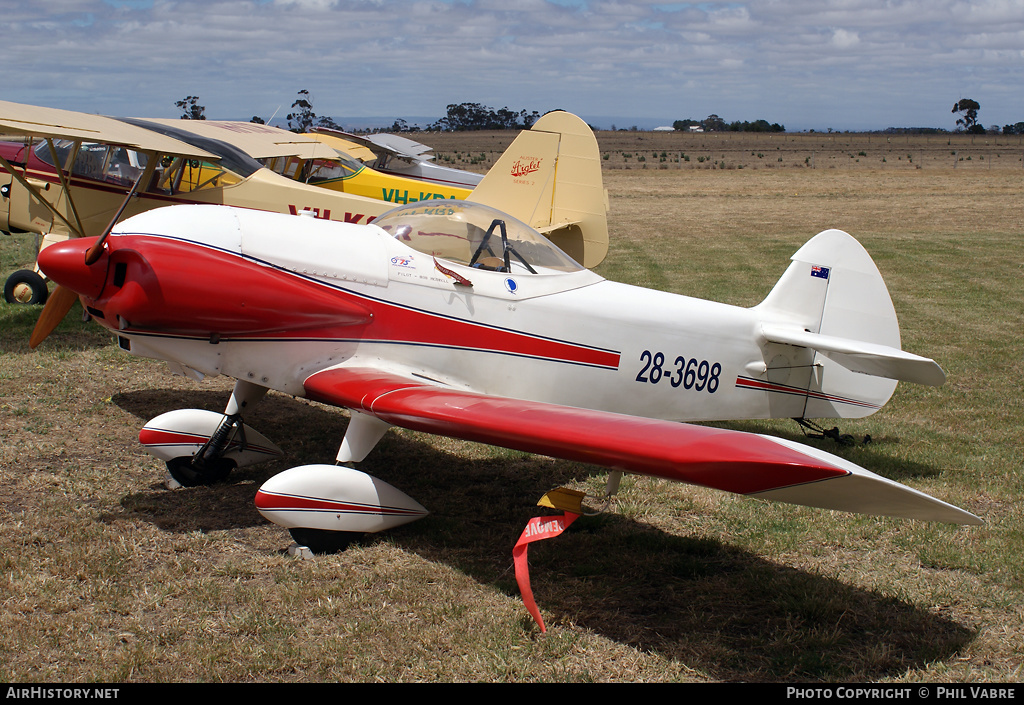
550 178
829 327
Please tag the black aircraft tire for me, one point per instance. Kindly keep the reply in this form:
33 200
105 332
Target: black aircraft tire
323 541
25 287
187 475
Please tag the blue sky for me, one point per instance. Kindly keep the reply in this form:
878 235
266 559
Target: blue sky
841 64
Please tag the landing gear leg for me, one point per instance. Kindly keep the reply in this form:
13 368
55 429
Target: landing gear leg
209 465
813 430
364 431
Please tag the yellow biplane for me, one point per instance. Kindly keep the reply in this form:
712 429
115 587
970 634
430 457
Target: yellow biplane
68 174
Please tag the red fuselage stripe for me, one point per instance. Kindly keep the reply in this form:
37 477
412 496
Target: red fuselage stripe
760 385
387 323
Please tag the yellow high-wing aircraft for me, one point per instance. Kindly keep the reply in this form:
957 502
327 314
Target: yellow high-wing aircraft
65 174
351 175
401 156
319 159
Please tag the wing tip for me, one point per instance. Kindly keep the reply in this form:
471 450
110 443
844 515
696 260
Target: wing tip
873 495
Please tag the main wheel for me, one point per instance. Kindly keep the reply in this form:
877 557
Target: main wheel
323 541
188 475
25 287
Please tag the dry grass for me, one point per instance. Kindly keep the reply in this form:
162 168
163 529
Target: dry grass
106 576
739 150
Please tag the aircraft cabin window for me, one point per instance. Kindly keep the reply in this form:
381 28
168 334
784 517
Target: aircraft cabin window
97 162
320 170
182 175
475 235
313 171
123 166
62 147
289 167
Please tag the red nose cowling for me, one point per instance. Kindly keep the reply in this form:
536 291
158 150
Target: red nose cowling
171 286
64 263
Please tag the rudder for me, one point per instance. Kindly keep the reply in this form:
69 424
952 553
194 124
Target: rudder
829 324
550 178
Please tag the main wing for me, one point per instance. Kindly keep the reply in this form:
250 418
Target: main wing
394 145
345 146
733 461
35 121
256 140
400 156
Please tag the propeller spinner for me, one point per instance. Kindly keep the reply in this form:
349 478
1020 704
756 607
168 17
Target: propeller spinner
63 298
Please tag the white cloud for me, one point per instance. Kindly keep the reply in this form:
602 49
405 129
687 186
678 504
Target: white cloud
391 57
844 39
307 4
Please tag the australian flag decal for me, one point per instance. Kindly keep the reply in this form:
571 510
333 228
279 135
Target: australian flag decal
819 272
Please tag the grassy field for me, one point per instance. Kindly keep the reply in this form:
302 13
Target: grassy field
740 150
107 576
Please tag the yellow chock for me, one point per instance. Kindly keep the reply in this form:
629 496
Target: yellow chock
564 499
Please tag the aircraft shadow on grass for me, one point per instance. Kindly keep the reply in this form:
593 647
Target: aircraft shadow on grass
720 610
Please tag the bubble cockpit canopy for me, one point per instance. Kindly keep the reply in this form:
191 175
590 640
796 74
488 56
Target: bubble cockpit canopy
475 235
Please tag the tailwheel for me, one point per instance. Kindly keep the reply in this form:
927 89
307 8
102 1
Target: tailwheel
323 541
188 474
25 287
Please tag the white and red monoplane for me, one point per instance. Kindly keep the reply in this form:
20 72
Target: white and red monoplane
454 318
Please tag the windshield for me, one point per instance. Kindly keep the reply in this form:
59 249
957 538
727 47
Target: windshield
98 162
122 166
314 171
339 167
475 235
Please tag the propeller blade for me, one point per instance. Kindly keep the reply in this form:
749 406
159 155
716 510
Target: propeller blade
62 298
97 249
57 306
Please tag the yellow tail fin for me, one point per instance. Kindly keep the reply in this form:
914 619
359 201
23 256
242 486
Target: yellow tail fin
550 178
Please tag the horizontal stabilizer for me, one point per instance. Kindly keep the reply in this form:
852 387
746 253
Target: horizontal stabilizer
864 357
721 459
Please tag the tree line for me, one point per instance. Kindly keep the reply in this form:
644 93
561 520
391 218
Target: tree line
713 123
459 116
476 116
